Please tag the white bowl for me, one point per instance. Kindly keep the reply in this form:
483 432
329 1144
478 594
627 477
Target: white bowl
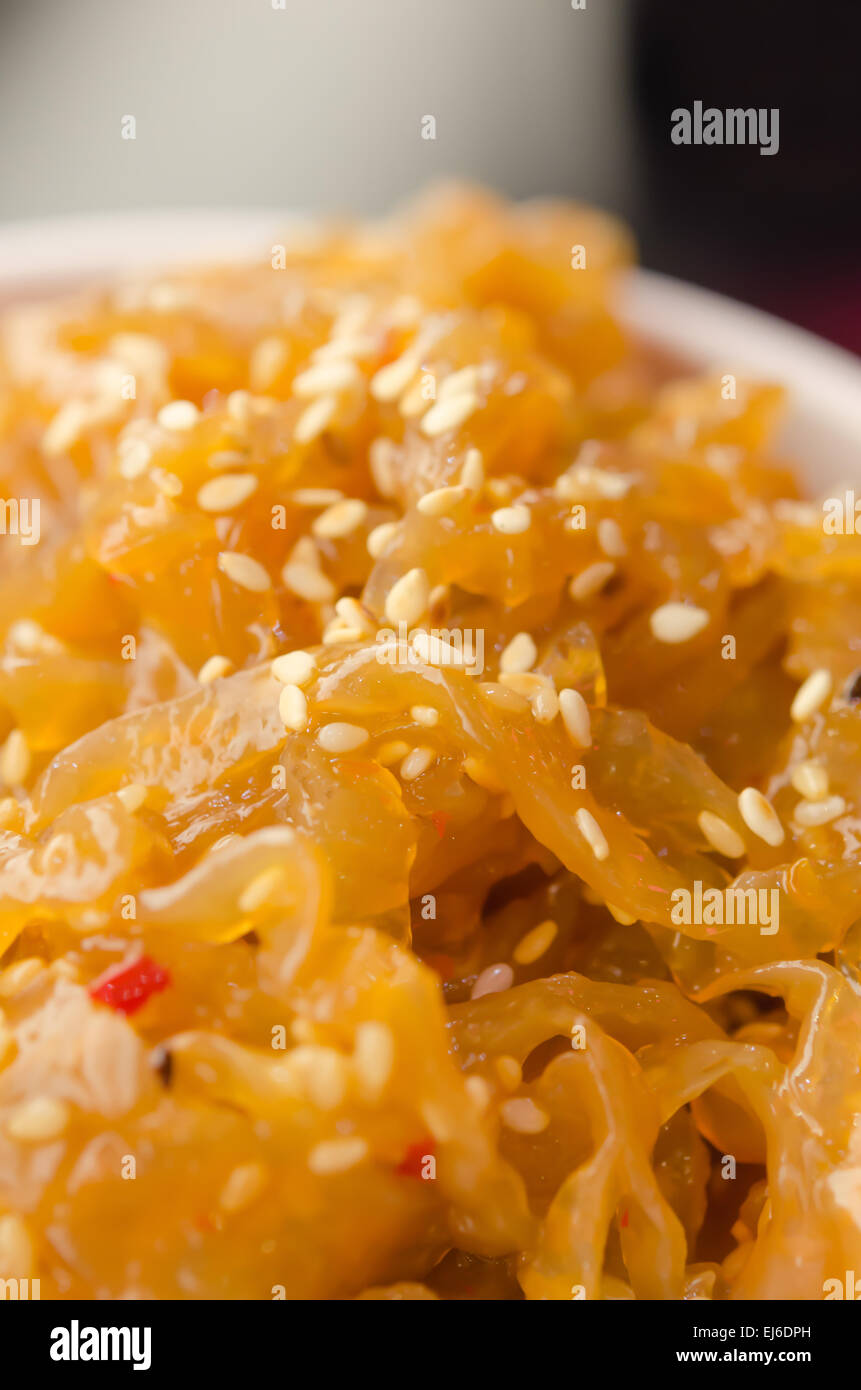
823 424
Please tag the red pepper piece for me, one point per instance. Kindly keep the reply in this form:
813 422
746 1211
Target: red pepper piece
128 988
440 820
410 1165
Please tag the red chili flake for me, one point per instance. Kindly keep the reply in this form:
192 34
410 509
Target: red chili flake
128 988
440 820
410 1165
624 1220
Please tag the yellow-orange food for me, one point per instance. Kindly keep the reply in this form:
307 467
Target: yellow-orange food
360 974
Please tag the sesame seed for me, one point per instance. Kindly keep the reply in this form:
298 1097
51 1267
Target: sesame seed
538 689
317 496
214 669
407 599
135 457
178 415
226 458
340 520
26 635
458 383
293 708
425 715
501 697
382 458
511 521
239 407
811 695
225 492
760 816
14 759
266 363
65 429
721 836
294 668
29 638
448 414
342 738
414 401
610 538
244 1184
479 1091
545 702
509 1071
677 622
441 500
810 813
482 774
391 381
340 631
493 980
37 1120
472 472
591 580
436 651
575 717
18 976
592 833
260 891
810 780
374 1057
244 571
526 683
340 347
392 752
523 1115
168 484
327 377
519 655
336 1155
533 945
350 610
583 483
132 796
314 419
307 582
8 812
317 1073
378 539
416 763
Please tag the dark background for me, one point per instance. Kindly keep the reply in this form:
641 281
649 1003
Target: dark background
781 231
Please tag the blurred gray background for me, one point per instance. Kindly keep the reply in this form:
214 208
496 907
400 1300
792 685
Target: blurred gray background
318 107
314 106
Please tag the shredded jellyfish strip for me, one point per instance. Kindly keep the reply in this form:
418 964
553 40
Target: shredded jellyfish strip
430 772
